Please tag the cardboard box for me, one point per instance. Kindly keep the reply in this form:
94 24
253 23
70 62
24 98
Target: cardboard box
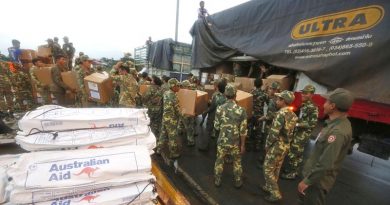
284 81
143 88
44 51
99 87
209 89
237 85
70 79
245 100
229 77
44 75
247 84
192 102
25 55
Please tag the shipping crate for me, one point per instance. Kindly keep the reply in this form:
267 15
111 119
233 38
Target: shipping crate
70 79
44 75
44 51
192 102
285 82
245 100
247 84
99 87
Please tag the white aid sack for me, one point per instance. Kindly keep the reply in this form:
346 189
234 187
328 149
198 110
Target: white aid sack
8 160
137 193
3 185
90 138
55 118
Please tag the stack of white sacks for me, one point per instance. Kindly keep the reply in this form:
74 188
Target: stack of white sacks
66 168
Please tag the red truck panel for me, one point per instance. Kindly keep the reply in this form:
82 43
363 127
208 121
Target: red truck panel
361 109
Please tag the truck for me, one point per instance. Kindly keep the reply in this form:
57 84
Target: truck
326 43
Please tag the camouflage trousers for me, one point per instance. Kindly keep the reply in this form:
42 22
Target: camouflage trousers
189 128
272 164
234 152
297 147
82 99
255 134
169 133
6 100
155 121
24 100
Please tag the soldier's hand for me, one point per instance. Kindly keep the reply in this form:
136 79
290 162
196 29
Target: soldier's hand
302 187
242 149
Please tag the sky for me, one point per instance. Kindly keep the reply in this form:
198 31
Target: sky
99 28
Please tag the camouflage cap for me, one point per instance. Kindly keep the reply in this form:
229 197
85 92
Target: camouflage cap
230 90
275 85
186 83
173 82
287 96
309 89
85 58
341 97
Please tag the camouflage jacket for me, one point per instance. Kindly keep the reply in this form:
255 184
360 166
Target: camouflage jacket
68 49
165 87
282 128
259 99
231 121
308 116
21 82
5 76
217 99
171 112
58 85
128 89
272 109
153 98
143 82
81 74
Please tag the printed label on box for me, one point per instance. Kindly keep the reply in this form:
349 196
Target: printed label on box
95 94
93 86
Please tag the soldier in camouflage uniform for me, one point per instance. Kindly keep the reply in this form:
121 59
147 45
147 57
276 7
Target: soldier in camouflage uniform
69 50
144 79
153 100
165 85
278 144
170 120
22 89
271 110
231 122
83 70
303 129
59 88
6 97
217 100
128 86
43 90
188 122
77 61
259 99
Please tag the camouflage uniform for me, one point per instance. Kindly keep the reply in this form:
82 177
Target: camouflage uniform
187 122
259 99
82 97
6 96
42 89
58 88
306 123
23 90
128 89
69 50
231 122
170 121
277 146
153 100
164 87
217 100
143 82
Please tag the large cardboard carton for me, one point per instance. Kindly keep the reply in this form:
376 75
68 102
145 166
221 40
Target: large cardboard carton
143 88
245 100
99 87
284 81
209 89
238 86
247 84
44 75
44 51
192 102
70 79
25 55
